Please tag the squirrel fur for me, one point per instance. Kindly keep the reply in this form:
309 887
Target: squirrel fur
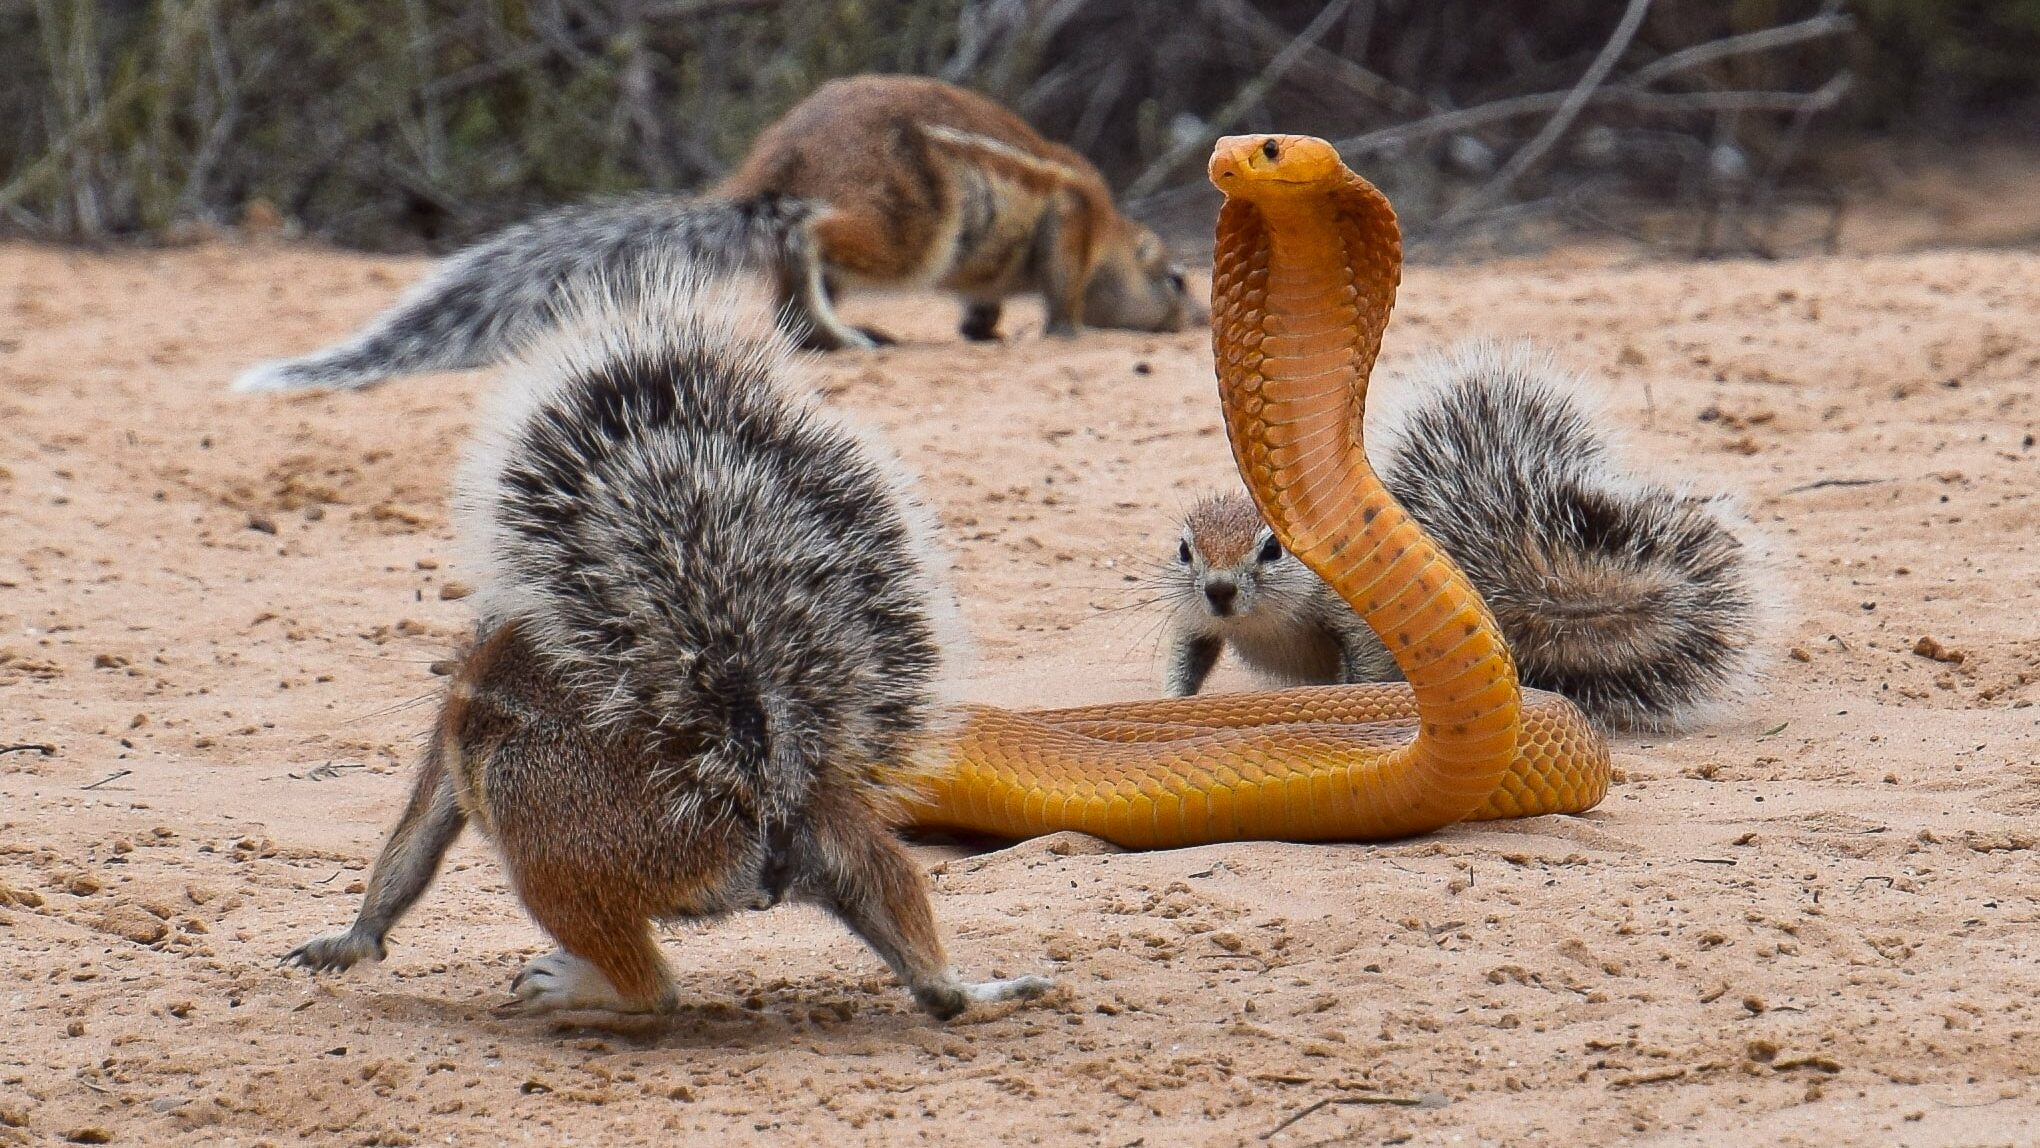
925 184
709 640
479 305
1640 601
886 181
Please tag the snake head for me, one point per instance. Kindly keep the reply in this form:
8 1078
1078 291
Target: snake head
1267 166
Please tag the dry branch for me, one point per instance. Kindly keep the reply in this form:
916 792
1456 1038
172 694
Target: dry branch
455 117
1247 97
1820 27
1569 110
1338 69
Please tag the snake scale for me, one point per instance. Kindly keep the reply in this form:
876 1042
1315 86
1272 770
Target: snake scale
1308 259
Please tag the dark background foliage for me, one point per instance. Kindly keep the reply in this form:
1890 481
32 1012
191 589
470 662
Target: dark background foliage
422 123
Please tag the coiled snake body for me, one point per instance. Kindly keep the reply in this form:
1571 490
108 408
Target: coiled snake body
1307 263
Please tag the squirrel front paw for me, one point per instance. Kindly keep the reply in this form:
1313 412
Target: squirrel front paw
336 952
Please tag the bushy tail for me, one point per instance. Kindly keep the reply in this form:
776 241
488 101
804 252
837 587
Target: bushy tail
479 304
1639 601
693 548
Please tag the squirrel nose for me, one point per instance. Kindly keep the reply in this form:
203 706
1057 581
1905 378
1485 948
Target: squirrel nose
1220 593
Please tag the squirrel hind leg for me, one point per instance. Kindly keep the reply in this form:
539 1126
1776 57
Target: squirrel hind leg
563 981
858 871
594 904
607 961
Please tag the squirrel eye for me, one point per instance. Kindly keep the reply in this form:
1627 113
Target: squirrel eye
1183 551
1270 550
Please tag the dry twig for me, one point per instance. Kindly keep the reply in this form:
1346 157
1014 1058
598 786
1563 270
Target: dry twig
1569 109
1429 1100
1245 99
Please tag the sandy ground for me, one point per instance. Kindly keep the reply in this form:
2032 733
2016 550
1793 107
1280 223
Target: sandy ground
1811 923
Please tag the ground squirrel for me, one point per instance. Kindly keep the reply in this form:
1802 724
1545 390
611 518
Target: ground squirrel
707 655
929 185
1639 601
876 181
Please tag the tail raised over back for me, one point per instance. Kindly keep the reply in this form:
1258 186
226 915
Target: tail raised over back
669 519
480 303
1640 601
708 649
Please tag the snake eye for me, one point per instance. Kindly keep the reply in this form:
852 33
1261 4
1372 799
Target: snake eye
1271 149
1183 552
1270 550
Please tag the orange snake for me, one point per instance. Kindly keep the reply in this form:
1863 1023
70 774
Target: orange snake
1308 259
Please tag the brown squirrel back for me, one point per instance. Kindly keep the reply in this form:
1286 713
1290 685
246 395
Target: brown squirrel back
927 184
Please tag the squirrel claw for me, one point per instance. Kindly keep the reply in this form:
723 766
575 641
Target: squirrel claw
334 953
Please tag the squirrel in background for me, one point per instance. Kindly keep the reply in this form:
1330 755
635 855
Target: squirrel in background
872 181
707 657
930 185
1636 600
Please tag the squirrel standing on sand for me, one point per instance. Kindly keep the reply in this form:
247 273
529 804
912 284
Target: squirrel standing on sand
706 660
876 181
929 185
1634 599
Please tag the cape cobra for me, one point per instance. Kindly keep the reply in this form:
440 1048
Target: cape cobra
1308 259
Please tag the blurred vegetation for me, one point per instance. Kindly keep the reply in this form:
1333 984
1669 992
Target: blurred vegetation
401 123
1937 64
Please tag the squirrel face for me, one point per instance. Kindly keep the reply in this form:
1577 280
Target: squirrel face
1229 568
1137 287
